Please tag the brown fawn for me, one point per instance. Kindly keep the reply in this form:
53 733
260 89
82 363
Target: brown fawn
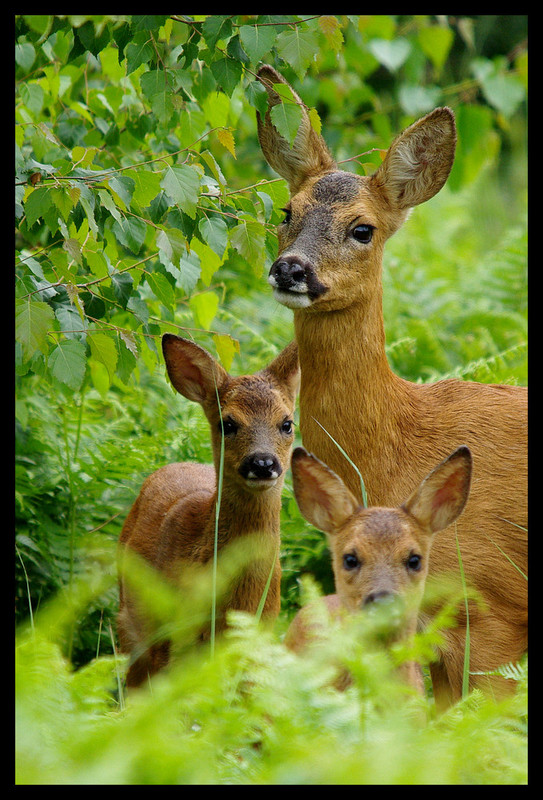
329 272
172 523
378 553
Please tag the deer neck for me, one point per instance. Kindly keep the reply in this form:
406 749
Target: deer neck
347 384
246 513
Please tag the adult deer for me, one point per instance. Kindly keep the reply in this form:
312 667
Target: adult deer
378 554
172 523
329 272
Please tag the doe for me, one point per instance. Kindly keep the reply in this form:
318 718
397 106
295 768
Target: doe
378 553
172 522
329 272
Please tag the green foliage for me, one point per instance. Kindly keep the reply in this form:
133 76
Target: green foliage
144 205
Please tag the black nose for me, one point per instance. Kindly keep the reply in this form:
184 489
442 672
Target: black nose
260 466
378 597
287 273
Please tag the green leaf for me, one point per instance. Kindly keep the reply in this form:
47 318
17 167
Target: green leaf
37 204
189 271
249 238
33 319
67 362
227 347
215 232
181 183
216 27
138 52
287 117
104 351
204 307
131 232
146 186
435 42
390 53
161 288
257 40
297 47
227 73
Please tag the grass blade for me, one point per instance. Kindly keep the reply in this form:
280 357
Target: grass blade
465 671
353 465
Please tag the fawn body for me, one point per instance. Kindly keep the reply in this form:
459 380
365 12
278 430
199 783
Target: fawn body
329 272
172 523
377 553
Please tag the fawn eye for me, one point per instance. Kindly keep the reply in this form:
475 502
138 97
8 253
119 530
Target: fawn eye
287 426
228 426
287 215
363 233
414 562
350 561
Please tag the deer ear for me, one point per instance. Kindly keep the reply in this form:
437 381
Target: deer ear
308 155
419 160
442 495
285 370
192 370
322 497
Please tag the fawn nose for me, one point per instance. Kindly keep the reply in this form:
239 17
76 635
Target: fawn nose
260 466
288 273
378 597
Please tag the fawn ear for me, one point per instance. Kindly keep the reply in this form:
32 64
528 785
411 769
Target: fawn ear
419 160
285 370
192 370
322 497
308 155
442 495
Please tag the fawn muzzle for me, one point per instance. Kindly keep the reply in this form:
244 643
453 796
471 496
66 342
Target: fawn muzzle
260 470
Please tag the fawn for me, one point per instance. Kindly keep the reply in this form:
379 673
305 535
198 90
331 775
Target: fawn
377 553
172 522
329 272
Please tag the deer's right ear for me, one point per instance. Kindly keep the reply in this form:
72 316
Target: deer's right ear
192 370
308 155
322 497
419 160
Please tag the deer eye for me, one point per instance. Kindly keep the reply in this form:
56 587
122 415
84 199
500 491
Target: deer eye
350 561
287 214
363 233
414 562
228 426
287 426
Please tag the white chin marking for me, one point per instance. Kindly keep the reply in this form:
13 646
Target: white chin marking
291 299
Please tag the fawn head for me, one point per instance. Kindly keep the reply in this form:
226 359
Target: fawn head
380 553
253 412
331 240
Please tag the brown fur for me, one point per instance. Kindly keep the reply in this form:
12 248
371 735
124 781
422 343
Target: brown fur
383 541
172 522
391 428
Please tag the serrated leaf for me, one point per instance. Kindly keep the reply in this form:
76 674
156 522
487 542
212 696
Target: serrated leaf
297 47
181 183
257 40
68 362
204 307
189 272
227 73
249 239
172 243
209 260
37 203
161 288
226 138
215 232
227 347
315 120
33 319
286 117
138 52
